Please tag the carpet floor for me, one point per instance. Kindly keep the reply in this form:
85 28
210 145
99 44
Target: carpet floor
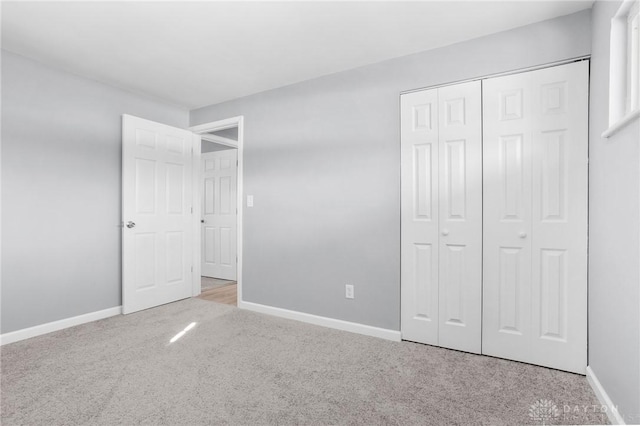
240 367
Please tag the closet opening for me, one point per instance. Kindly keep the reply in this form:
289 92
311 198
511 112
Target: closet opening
494 187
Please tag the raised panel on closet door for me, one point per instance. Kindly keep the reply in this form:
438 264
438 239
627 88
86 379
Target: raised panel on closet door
559 218
507 128
460 217
419 216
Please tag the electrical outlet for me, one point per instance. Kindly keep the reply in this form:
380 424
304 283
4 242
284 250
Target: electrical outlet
348 291
249 200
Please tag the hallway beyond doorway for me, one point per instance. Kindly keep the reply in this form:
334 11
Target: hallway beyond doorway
220 291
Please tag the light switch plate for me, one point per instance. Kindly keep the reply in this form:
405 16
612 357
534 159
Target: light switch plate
349 291
249 200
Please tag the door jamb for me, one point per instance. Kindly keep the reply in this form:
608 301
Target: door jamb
220 140
200 131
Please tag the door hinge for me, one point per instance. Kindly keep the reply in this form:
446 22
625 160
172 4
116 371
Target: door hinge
192 268
191 210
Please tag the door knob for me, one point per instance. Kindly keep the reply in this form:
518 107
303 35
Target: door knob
522 234
445 232
131 224
201 220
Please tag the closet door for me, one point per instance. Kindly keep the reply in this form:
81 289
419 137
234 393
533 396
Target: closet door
535 217
460 217
441 229
419 216
508 124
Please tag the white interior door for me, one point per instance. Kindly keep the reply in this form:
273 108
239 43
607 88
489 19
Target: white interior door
157 213
441 217
219 251
535 217
460 218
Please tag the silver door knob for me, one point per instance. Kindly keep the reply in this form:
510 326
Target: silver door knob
131 224
445 232
522 235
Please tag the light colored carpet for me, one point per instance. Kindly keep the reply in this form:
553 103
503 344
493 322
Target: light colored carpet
208 283
239 367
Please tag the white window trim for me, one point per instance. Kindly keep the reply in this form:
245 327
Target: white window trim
620 72
621 124
633 58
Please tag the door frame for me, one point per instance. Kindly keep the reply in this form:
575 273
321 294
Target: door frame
200 131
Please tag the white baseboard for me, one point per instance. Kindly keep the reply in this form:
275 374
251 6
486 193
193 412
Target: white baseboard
49 327
352 327
612 412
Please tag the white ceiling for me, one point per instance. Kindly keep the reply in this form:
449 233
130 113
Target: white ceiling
194 54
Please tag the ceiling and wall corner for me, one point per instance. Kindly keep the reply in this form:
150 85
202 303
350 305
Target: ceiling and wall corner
250 46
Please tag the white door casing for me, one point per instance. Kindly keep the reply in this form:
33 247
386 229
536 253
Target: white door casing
219 252
535 216
157 186
441 216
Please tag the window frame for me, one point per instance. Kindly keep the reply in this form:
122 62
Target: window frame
633 58
624 72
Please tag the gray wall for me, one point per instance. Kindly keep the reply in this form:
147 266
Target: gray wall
614 243
231 133
61 156
213 147
322 159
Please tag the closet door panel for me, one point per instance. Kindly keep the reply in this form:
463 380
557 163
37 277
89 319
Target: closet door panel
507 217
535 217
419 216
460 216
559 219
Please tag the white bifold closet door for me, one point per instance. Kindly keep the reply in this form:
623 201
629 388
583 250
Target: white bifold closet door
535 217
441 214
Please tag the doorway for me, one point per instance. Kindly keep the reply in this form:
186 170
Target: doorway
218 222
218 212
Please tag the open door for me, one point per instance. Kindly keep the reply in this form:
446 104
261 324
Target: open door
219 253
157 213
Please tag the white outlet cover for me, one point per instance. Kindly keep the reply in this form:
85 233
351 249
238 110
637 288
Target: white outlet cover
249 200
349 291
